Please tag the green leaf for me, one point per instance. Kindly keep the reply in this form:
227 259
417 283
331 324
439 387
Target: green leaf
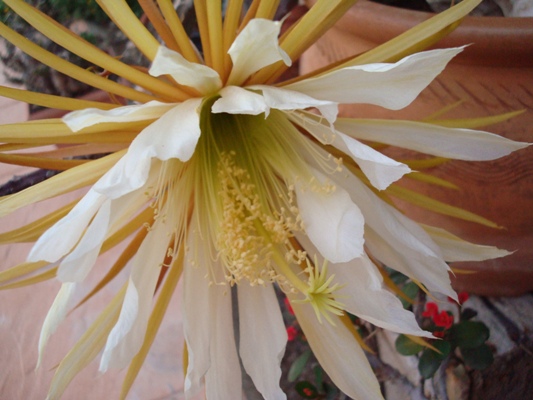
307 390
411 290
469 334
406 347
397 277
331 391
467 314
478 358
319 378
298 366
430 360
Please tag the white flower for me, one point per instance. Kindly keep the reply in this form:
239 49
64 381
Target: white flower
241 185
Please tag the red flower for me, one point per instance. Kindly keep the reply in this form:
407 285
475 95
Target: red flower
439 334
443 319
463 296
431 310
308 392
292 333
288 305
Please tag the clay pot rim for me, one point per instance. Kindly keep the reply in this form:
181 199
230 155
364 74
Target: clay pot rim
492 41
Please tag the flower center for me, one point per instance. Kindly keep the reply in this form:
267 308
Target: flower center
250 166
250 233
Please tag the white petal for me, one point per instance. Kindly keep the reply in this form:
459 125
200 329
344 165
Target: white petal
339 354
168 62
126 337
223 379
197 319
236 100
392 86
433 272
283 99
364 296
59 239
77 120
461 144
174 135
380 169
262 338
76 266
456 249
397 241
331 220
254 48
78 263
55 315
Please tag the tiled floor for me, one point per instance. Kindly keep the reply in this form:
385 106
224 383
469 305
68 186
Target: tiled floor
10 110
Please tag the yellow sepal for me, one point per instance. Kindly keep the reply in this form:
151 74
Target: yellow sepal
87 348
431 204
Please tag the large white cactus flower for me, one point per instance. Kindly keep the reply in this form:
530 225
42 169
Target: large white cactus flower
230 181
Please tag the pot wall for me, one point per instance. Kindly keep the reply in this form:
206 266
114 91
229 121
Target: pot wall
493 75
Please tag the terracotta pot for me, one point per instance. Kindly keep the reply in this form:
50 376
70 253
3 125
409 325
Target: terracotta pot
493 75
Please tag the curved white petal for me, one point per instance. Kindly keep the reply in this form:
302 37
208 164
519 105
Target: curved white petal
283 99
61 237
223 379
168 62
236 100
364 296
56 314
396 240
456 249
197 317
433 272
126 337
262 338
331 220
254 48
77 120
461 144
76 265
393 86
339 354
173 135
379 169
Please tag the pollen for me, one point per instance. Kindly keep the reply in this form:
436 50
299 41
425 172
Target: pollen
252 232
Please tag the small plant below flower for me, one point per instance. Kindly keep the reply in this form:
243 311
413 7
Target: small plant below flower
466 336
